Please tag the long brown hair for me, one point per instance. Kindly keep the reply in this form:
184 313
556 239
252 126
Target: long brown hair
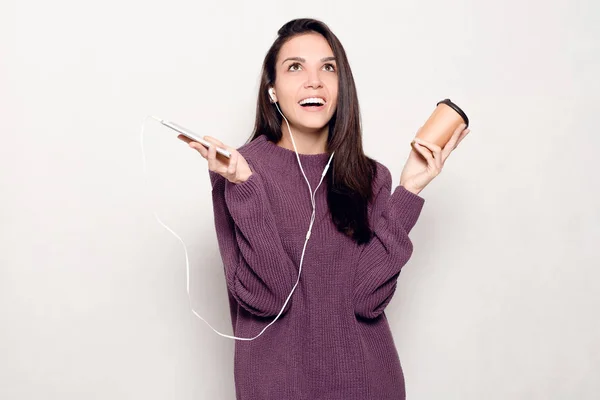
349 179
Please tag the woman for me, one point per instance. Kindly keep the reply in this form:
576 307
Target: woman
331 339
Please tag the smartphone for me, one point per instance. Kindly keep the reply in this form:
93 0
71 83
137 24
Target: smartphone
191 135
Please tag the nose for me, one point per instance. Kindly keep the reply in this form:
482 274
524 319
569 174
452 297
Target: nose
313 80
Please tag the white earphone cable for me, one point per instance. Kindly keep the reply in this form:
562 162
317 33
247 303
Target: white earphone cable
187 263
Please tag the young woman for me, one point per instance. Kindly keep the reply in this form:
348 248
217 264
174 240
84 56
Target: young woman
331 340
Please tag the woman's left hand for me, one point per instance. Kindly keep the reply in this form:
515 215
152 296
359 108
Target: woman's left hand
426 160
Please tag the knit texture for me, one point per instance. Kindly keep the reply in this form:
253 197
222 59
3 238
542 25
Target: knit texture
333 340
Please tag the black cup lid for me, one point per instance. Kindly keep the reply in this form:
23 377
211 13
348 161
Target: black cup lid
456 108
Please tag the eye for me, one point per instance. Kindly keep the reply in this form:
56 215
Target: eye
294 67
329 67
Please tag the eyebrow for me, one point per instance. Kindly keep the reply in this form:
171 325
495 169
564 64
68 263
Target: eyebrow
330 58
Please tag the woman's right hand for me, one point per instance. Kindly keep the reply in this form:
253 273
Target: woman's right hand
234 169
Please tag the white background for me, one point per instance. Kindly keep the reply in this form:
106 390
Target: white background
498 300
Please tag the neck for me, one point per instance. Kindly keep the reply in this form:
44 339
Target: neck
307 141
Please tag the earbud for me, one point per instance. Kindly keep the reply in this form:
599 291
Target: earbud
272 95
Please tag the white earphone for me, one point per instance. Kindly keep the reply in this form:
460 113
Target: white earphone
272 95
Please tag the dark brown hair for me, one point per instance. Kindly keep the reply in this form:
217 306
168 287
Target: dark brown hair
351 173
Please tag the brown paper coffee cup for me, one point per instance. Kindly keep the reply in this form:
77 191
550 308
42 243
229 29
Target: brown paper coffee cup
442 123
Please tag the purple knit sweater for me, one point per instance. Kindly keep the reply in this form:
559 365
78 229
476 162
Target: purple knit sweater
333 340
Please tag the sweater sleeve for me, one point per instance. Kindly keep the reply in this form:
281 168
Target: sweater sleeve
380 261
258 272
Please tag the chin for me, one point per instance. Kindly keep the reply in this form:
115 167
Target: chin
316 128
309 123
314 124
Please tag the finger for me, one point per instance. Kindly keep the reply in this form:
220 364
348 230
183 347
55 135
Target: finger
184 138
460 129
424 152
416 134
221 163
453 142
200 148
233 162
212 159
457 134
451 145
220 144
432 164
462 136
436 151
214 140
431 146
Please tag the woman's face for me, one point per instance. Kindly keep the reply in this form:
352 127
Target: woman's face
306 84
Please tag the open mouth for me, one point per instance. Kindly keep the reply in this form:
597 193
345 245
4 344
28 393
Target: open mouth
312 103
